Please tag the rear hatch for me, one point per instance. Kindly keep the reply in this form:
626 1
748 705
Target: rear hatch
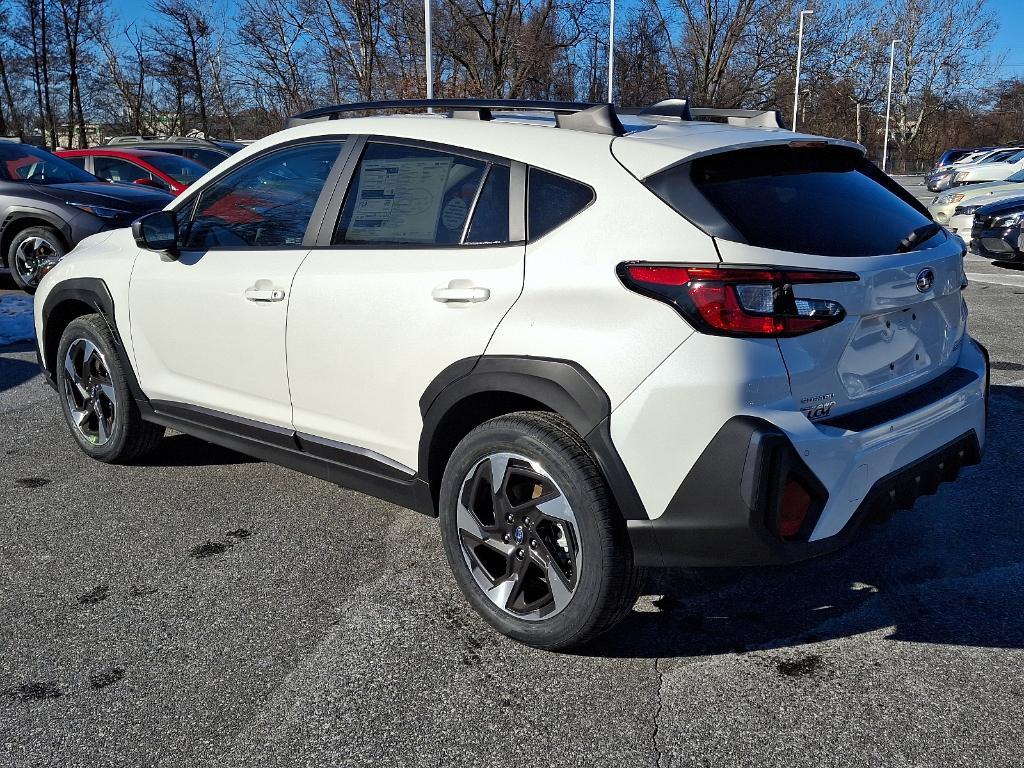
817 206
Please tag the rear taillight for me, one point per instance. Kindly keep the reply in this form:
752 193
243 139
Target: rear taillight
730 301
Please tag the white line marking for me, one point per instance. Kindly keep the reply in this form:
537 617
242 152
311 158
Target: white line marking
1013 281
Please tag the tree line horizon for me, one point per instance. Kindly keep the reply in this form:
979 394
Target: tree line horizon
73 72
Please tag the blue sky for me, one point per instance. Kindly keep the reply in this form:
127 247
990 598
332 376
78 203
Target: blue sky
1009 41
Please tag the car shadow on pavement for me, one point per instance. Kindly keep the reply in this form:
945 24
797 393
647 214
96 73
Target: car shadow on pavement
949 571
15 371
179 450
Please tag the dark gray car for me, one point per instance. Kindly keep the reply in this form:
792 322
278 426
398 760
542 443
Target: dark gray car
47 205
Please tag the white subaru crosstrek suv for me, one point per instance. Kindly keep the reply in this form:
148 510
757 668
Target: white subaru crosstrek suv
590 349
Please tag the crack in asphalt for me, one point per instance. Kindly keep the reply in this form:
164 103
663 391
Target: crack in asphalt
657 711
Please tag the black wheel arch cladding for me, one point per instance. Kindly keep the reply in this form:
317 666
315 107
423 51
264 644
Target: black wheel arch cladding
561 386
71 299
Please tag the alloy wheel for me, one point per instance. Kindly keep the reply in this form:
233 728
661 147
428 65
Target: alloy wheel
29 258
89 392
519 536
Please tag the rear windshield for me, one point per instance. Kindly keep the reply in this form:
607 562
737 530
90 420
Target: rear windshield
828 201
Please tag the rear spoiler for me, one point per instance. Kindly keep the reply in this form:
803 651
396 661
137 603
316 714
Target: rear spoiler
681 109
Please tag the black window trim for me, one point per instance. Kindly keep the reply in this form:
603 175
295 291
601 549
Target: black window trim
516 203
190 202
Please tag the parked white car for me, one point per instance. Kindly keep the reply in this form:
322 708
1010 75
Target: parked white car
589 349
988 171
943 205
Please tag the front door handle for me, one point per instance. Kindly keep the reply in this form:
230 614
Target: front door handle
264 294
460 292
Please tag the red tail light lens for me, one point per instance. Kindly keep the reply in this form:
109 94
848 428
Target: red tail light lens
738 302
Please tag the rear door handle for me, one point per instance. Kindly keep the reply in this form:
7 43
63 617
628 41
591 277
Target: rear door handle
264 294
458 292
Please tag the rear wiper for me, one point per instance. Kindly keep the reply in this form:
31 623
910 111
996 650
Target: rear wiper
918 236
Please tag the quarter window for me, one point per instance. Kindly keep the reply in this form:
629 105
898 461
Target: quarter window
265 203
552 200
402 195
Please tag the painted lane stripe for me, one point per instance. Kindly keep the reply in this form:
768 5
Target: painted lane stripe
1013 281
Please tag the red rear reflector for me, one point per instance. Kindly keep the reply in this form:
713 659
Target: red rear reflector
793 509
707 296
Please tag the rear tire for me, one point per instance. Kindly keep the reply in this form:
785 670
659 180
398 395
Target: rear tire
98 405
545 559
27 249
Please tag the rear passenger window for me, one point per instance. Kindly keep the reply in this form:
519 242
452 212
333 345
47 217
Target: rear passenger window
490 215
552 200
403 195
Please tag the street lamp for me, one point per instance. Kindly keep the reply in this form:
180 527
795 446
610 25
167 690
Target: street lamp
611 47
799 53
888 104
429 67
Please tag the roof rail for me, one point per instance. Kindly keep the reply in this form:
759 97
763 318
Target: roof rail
573 115
137 138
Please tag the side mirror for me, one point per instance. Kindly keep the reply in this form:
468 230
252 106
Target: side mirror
157 231
146 182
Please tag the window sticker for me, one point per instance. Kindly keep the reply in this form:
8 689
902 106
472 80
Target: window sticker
399 200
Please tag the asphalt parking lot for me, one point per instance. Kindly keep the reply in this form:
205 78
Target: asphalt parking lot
210 610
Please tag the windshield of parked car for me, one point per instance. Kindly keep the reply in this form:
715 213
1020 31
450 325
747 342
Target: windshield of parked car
1017 177
23 162
181 169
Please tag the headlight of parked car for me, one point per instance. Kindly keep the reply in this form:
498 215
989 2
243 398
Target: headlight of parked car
961 176
99 210
1009 220
963 210
949 199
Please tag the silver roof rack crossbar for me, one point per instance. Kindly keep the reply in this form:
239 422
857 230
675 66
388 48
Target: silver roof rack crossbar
582 116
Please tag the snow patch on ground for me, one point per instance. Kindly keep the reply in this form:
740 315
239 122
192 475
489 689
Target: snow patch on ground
16 321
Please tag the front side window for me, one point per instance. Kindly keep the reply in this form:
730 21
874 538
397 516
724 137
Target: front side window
207 158
402 195
181 169
122 171
552 200
265 203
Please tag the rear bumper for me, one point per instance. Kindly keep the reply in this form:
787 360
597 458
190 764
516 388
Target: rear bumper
722 513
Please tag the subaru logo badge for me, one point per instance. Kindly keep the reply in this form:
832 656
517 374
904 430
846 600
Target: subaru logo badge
519 534
925 280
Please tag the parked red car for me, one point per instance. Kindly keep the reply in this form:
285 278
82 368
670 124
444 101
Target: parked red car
137 166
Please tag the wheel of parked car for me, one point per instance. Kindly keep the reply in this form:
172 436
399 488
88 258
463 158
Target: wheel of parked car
31 249
532 534
94 393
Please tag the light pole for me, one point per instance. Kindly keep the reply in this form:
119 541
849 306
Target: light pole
426 37
611 47
888 104
799 55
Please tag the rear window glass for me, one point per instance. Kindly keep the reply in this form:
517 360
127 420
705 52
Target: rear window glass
552 200
825 201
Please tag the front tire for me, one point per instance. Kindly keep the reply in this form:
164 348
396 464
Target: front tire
30 250
97 402
532 534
